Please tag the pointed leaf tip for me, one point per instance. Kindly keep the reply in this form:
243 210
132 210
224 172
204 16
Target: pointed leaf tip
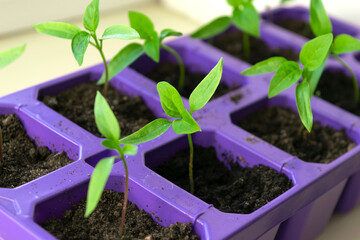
203 92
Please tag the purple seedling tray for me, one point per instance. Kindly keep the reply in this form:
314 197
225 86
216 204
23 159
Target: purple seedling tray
293 215
274 36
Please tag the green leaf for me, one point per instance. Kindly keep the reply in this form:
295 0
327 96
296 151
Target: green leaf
149 132
152 47
303 104
269 65
122 59
130 150
169 32
186 125
111 144
206 88
319 21
79 45
247 19
97 183
170 99
215 27
105 119
314 52
288 73
313 77
142 24
10 55
91 16
58 29
235 3
344 43
120 32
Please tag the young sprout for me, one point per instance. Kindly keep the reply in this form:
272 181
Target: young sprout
320 24
313 57
153 41
7 57
109 127
173 106
244 17
80 40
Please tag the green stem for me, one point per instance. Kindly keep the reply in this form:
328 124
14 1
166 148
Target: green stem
191 162
181 66
99 47
1 154
126 193
246 44
355 83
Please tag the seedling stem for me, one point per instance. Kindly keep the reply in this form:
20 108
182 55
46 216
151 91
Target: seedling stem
126 193
98 46
191 174
355 83
246 43
181 66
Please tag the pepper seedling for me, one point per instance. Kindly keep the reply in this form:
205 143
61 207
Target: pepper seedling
313 57
184 123
320 24
109 127
80 40
153 42
7 57
244 17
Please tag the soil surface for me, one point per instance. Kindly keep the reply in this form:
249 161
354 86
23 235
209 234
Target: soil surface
282 127
241 190
104 223
23 160
77 104
337 88
169 72
296 25
232 43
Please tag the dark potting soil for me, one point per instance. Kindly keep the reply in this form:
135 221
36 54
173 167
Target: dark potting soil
104 223
282 127
241 190
23 160
77 104
169 72
296 25
337 88
232 43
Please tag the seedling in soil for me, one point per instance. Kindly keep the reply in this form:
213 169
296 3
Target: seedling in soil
153 41
320 24
109 127
7 57
173 106
244 17
313 57
80 39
